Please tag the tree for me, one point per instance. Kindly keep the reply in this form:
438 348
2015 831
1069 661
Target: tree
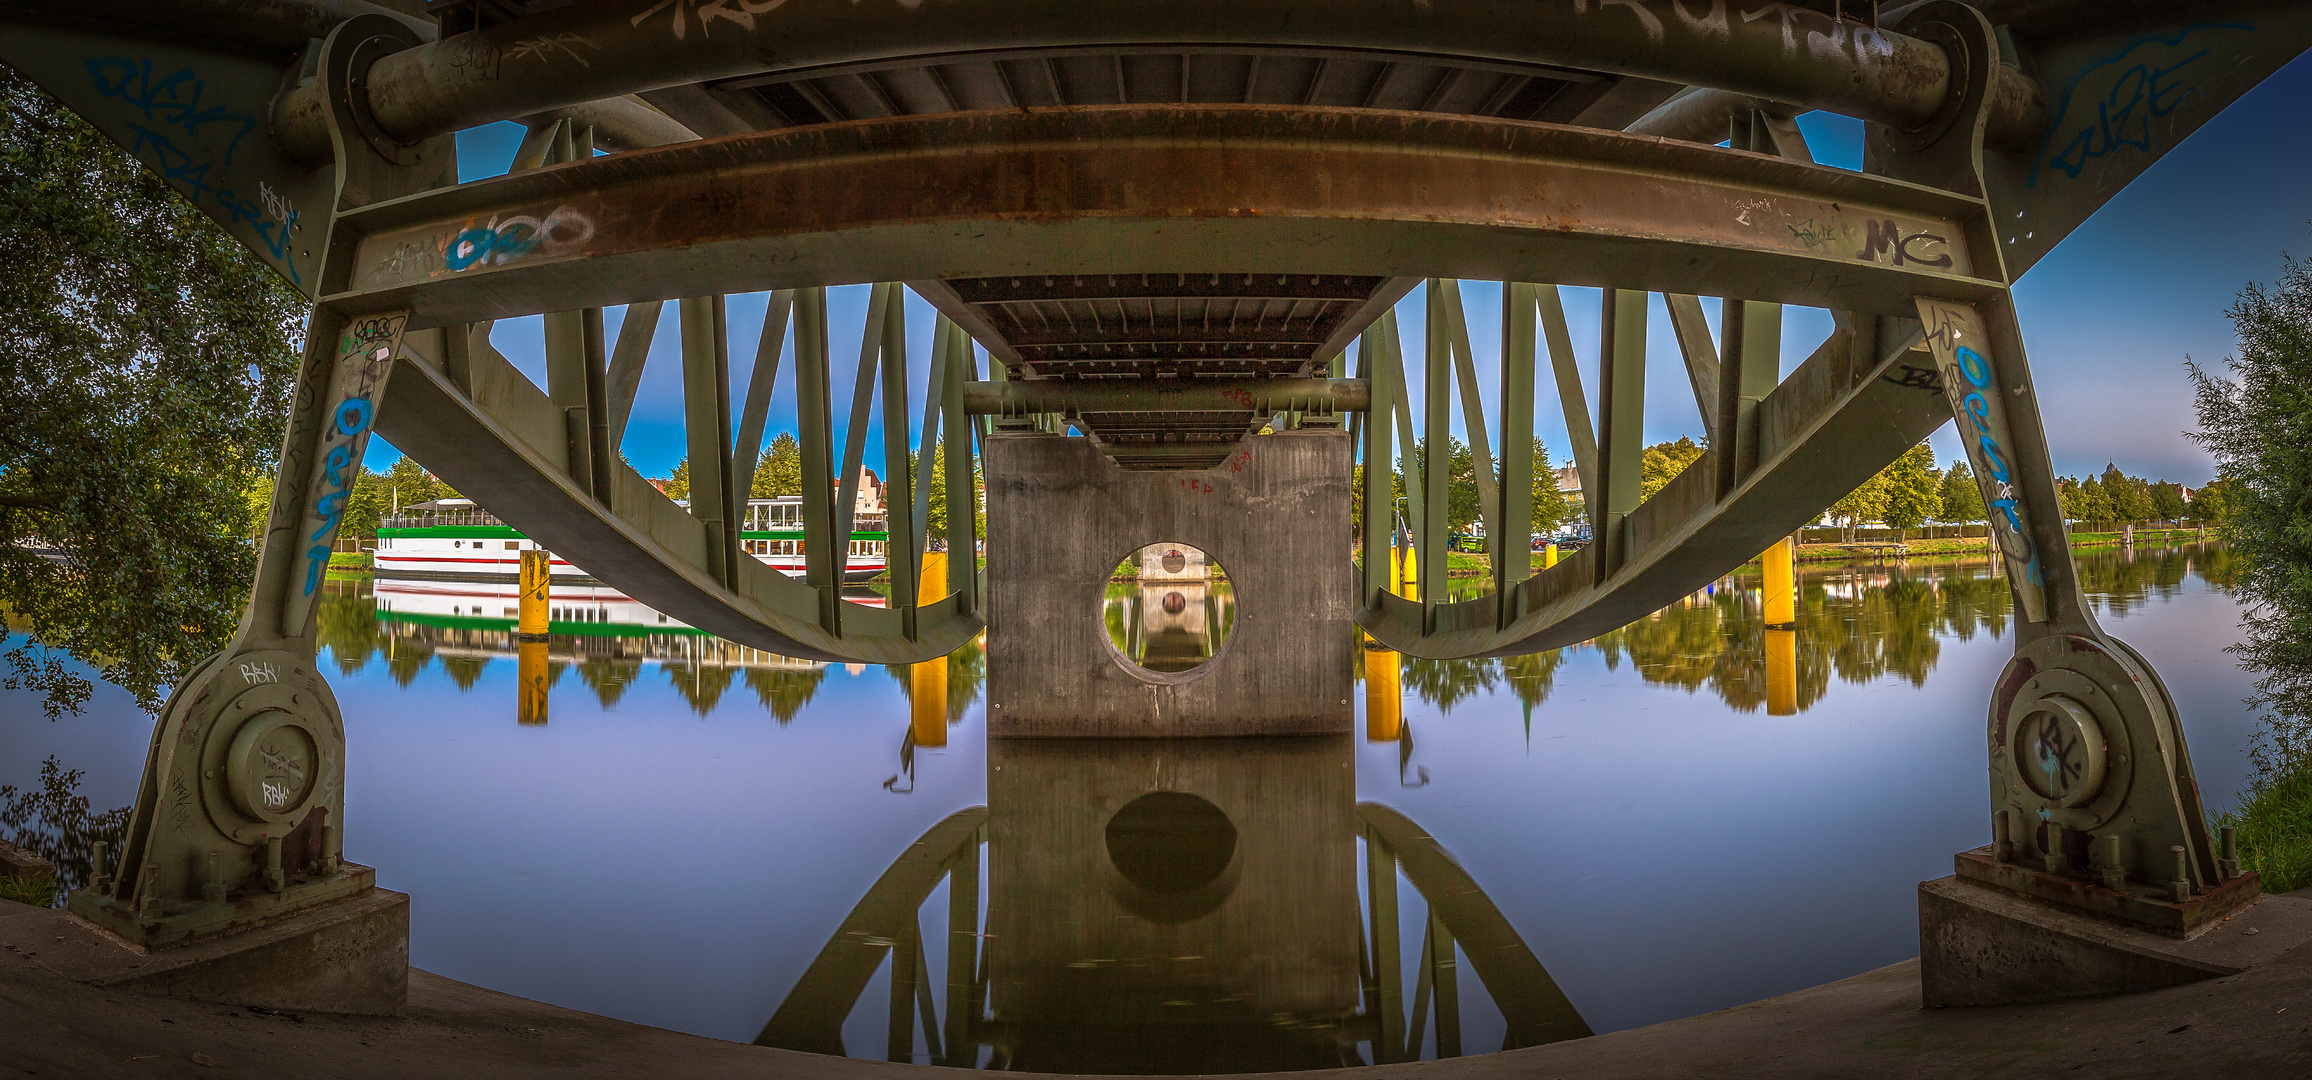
935 502
2094 504
678 485
778 472
2256 420
1663 462
1911 490
1550 506
1962 498
2129 496
1865 503
2212 503
145 379
2167 501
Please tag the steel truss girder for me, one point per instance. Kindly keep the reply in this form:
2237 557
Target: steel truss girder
1770 50
1167 189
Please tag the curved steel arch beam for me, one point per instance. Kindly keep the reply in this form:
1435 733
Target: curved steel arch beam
588 51
497 445
1167 189
1531 1003
1844 414
811 1016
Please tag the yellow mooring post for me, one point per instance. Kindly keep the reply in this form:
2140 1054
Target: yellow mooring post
1781 596
530 638
1781 564
927 681
1782 673
1549 556
1384 696
1404 572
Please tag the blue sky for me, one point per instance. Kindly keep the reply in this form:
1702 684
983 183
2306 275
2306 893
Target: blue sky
2108 317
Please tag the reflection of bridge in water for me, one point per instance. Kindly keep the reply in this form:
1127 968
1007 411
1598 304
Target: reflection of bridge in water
1169 906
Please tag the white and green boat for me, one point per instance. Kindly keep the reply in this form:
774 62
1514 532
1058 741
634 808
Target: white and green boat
452 539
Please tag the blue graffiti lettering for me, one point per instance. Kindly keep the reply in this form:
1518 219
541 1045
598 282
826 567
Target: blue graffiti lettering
475 245
1994 465
353 416
173 103
172 100
1972 364
316 557
2086 127
1979 411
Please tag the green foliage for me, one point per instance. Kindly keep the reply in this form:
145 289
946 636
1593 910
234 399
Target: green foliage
2212 502
2130 496
2167 501
55 824
379 494
1865 503
1663 462
779 472
935 512
1550 506
1913 491
678 485
38 891
2275 824
2256 420
1961 497
145 380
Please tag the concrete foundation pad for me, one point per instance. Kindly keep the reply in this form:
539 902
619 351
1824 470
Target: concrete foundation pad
1982 945
2255 1024
350 956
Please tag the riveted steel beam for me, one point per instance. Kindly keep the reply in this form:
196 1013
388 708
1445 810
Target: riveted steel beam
589 51
1163 190
1163 395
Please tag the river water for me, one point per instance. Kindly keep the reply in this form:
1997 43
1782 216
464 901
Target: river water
716 840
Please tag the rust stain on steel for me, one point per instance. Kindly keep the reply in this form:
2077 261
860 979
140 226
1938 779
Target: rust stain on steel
1242 162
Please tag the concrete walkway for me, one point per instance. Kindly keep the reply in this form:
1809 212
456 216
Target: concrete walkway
2246 1027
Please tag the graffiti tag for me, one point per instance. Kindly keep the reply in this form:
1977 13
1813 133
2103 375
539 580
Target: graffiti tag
1952 334
2149 84
254 673
1887 238
503 240
367 348
174 104
741 12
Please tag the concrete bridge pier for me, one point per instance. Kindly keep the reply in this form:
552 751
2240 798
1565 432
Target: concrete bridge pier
1274 516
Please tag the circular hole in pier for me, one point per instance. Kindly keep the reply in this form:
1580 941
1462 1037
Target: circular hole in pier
1168 607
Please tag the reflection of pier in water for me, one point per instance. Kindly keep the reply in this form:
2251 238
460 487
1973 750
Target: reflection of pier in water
1173 907
1169 625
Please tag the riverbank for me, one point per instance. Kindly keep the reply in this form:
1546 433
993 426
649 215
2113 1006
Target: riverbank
2255 1024
1463 564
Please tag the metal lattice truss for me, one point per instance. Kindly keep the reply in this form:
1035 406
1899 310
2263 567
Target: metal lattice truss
1166 225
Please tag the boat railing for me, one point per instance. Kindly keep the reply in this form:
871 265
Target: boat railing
436 520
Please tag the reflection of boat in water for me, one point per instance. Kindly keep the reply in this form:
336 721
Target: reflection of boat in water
1176 906
452 539
477 618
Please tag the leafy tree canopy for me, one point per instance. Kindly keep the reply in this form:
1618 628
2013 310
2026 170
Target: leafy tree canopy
1663 462
1913 491
144 384
1962 497
2256 420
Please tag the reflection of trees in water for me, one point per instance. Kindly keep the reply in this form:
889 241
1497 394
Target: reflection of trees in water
701 686
608 677
966 675
784 691
348 625
54 822
465 671
1857 622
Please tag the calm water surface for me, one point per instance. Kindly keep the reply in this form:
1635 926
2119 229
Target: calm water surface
721 841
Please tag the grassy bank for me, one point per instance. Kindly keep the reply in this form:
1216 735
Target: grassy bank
350 560
2275 832
36 891
1974 545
